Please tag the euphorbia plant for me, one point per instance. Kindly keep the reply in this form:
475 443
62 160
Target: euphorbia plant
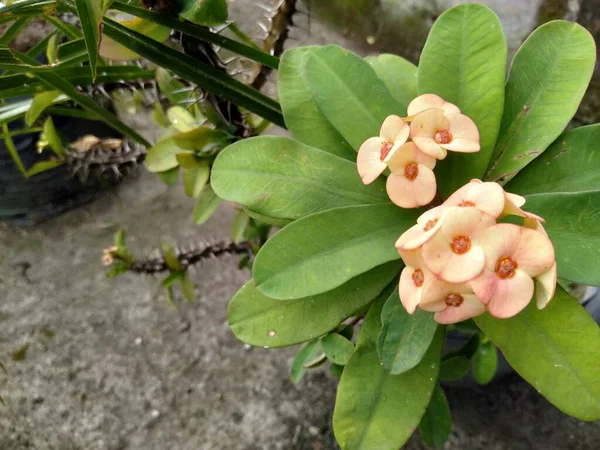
474 163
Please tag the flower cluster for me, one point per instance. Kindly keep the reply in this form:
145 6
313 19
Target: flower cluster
410 147
461 261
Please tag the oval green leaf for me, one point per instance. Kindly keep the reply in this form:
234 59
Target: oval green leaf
555 350
399 75
282 178
485 362
464 62
376 410
404 338
337 348
324 250
207 204
349 93
573 224
305 355
194 179
253 316
209 13
302 116
454 368
436 424
548 77
570 164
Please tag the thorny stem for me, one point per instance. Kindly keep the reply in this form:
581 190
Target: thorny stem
188 258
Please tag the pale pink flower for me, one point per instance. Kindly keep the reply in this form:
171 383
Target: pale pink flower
451 302
545 284
513 256
424 230
512 207
412 279
412 181
430 101
488 197
435 132
454 253
376 152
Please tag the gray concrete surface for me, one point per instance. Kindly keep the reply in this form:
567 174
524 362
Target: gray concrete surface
111 365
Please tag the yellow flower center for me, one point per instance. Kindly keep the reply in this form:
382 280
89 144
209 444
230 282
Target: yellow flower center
460 245
418 278
411 171
454 299
506 267
442 137
386 148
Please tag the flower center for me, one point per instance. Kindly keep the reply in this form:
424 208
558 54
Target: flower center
442 137
411 171
418 278
466 203
430 224
386 148
460 245
506 267
454 299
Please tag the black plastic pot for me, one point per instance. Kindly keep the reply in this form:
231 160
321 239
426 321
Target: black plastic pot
27 201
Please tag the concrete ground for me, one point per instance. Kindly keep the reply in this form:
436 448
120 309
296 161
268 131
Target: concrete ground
97 364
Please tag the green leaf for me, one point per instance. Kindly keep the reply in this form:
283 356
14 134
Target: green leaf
163 155
207 204
53 138
57 82
305 355
302 116
573 224
112 50
282 178
209 13
202 33
187 288
555 350
436 424
253 316
399 75
239 225
40 103
202 74
548 77
336 370
464 62
485 362
194 179
171 257
177 92
42 166
181 119
171 279
376 410
90 14
159 116
337 348
404 339
570 164
279 223
169 177
467 350
298 261
454 368
202 139
349 93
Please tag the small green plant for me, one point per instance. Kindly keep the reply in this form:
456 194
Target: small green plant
423 233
